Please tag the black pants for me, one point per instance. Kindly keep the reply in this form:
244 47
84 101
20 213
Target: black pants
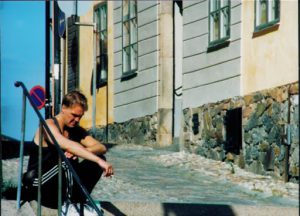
89 174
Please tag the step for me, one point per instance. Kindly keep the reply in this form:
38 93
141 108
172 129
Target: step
121 208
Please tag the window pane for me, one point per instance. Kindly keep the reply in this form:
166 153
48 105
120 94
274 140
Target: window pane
274 9
103 42
126 33
134 57
214 5
263 12
130 36
215 26
98 44
126 59
133 31
211 27
98 64
225 3
103 72
104 67
103 18
125 10
225 22
133 9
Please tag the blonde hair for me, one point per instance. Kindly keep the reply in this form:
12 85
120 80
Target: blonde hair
75 98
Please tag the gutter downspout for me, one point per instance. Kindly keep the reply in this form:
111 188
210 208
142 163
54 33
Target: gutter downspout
47 60
287 142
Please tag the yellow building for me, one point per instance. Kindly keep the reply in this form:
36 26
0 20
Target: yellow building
270 54
90 43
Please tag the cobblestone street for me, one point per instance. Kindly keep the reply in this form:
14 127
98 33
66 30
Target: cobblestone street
149 176
145 174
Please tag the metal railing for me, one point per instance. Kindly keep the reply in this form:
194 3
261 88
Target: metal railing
61 155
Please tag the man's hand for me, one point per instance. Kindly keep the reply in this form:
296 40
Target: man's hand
70 155
107 168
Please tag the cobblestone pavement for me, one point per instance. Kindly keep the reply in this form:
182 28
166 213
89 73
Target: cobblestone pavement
147 174
151 175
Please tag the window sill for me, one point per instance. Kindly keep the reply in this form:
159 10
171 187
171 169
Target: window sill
128 75
217 46
265 30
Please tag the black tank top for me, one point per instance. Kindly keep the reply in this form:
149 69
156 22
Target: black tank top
49 161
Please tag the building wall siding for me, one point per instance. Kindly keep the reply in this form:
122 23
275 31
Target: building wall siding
209 76
137 96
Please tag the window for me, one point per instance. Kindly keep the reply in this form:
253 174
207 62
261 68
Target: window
101 45
219 21
130 48
266 13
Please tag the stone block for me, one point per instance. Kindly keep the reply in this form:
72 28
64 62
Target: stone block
279 94
241 161
264 146
248 99
254 153
256 167
253 122
220 155
247 112
276 150
247 138
294 89
247 156
229 157
294 159
294 171
262 157
212 154
274 135
258 135
258 96
260 109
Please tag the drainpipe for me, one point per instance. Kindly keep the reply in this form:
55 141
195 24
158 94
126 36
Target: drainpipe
287 143
47 60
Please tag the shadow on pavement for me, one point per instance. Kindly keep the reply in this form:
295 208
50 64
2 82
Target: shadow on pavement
178 209
165 209
11 147
108 206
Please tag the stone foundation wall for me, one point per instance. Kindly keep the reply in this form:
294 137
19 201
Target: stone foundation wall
140 131
264 122
265 119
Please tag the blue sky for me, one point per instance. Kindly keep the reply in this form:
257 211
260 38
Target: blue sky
22 29
22 26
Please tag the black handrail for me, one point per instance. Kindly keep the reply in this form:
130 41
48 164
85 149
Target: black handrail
59 150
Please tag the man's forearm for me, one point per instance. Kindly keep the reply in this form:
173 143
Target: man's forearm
97 149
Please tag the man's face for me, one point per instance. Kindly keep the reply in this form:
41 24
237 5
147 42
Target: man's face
72 115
